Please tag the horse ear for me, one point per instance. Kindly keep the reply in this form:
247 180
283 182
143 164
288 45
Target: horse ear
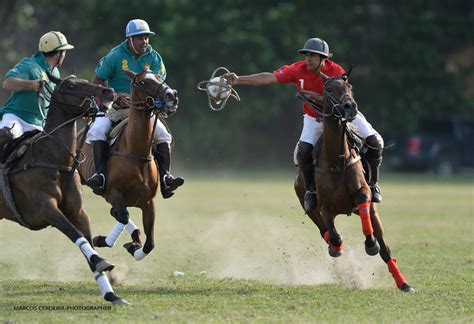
53 78
323 76
348 72
131 74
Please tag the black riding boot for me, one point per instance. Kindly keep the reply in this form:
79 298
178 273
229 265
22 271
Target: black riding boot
374 156
305 162
168 183
97 181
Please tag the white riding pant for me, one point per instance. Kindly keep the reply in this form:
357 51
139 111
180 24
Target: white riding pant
313 129
18 126
100 129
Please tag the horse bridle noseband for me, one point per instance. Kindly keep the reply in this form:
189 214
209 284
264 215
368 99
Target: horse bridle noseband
337 110
151 102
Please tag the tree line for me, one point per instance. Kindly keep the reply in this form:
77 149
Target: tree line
411 60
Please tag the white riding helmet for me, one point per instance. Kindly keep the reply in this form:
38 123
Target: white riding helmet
137 27
53 41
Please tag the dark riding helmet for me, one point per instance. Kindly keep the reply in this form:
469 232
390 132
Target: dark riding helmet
316 45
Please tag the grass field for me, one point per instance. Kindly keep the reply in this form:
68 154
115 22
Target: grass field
249 254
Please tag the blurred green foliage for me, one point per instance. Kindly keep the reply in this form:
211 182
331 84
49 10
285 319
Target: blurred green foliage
402 53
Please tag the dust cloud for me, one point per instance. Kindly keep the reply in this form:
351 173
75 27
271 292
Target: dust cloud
265 251
281 251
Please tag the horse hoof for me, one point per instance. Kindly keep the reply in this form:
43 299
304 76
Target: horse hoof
131 247
121 301
334 251
114 299
104 265
374 250
99 241
407 288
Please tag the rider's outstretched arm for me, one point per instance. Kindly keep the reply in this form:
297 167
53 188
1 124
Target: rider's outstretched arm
258 79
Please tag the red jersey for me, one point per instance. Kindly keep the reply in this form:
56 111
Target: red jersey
305 79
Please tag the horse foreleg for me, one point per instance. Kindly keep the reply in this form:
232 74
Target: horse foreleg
314 215
120 213
363 205
134 231
97 264
331 236
148 215
385 253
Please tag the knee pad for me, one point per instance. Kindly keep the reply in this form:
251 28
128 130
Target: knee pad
375 142
304 153
375 149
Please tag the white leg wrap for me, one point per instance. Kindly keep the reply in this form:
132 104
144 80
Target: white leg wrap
104 284
131 226
139 254
114 235
85 247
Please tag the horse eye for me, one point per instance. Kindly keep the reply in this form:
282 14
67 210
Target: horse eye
141 82
71 86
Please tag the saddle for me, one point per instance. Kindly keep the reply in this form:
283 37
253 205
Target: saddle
355 141
15 149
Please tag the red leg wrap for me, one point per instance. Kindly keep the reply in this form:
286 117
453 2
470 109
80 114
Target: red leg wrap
339 248
335 248
364 211
396 274
326 237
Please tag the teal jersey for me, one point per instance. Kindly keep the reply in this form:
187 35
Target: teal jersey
26 104
110 67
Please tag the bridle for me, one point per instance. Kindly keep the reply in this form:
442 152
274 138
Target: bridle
154 102
92 110
336 105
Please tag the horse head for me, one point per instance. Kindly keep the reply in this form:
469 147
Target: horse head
149 93
78 97
338 100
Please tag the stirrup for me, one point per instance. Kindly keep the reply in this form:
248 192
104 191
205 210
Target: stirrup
97 181
310 201
171 183
376 193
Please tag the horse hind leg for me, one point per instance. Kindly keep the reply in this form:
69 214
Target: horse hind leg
106 289
98 265
385 253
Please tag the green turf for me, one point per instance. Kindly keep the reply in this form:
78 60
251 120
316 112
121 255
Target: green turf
248 253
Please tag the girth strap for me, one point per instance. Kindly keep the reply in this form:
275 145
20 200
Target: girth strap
8 197
43 165
338 169
133 157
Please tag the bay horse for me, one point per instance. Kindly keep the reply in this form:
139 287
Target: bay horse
39 183
339 177
131 172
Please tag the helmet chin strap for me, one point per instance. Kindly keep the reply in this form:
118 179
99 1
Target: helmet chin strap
131 45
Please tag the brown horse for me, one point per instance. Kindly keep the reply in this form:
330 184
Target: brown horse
40 187
131 173
340 183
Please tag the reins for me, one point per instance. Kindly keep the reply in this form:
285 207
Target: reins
90 112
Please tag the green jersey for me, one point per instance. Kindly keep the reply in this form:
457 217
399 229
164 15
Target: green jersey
26 104
111 66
